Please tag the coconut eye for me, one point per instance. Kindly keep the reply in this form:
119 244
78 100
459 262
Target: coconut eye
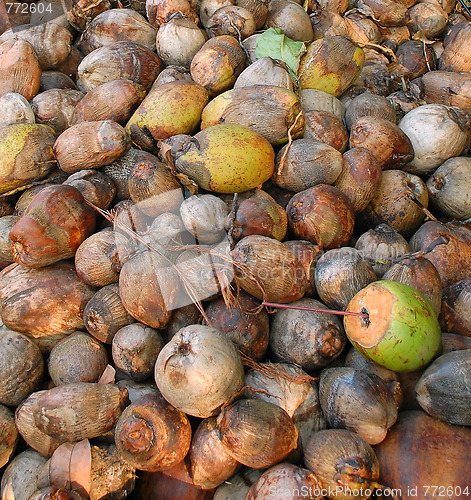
152 435
199 370
403 333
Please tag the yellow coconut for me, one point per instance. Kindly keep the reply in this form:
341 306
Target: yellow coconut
26 154
169 109
331 64
226 158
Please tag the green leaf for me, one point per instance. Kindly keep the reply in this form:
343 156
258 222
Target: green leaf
273 43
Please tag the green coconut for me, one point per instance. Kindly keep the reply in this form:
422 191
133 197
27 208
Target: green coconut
169 109
226 159
401 330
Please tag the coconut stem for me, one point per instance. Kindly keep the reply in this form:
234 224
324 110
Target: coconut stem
405 87
425 55
422 207
379 48
441 240
314 309
232 217
290 141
